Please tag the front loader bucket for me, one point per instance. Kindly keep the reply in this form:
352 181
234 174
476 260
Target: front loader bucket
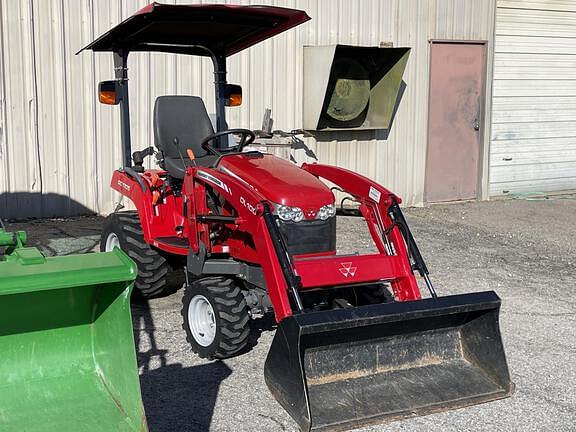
67 357
339 369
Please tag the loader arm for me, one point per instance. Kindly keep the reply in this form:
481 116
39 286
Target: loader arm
250 207
376 205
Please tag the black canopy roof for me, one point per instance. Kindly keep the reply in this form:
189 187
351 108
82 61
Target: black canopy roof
223 29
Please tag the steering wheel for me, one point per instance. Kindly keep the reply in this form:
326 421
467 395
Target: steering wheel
248 138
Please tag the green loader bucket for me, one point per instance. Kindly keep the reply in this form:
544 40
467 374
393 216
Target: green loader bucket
338 369
68 361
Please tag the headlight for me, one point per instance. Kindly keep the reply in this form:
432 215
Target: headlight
326 212
286 213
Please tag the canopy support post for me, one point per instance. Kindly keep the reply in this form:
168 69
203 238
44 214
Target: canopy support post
121 75
219 61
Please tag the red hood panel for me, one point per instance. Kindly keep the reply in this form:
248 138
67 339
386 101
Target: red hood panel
280 181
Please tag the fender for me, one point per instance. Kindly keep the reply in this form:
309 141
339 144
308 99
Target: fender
126 185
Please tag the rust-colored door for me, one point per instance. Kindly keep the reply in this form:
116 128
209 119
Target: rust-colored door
457 72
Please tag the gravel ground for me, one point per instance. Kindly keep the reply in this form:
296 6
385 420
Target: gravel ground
525 250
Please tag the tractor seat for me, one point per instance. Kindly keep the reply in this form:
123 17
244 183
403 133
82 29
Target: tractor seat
183 119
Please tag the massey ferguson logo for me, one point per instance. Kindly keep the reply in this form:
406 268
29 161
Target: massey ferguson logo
311 214
347 269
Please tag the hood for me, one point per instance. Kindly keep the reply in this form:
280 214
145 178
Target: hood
280 181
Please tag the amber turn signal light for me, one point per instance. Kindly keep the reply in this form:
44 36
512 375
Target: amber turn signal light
233 94
107 97
109 92
235 100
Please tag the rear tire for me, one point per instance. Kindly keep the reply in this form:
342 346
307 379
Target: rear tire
156 275
216 319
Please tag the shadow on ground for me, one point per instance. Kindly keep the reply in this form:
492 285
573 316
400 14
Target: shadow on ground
175 397
178 398
57 233
257 327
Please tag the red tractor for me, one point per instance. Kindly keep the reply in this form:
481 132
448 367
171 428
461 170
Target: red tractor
249 233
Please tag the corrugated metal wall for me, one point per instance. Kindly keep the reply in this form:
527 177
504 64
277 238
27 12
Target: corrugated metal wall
57 142
534 117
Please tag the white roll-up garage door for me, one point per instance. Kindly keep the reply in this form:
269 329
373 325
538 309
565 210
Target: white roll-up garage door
533 142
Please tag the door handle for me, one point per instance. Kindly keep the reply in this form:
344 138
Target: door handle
476 125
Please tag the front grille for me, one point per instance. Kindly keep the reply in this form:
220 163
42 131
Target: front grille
308 237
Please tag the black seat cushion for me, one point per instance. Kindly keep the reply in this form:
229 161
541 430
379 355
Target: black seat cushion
182 119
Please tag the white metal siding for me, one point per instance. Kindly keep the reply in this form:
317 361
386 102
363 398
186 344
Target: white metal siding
534 106
57 142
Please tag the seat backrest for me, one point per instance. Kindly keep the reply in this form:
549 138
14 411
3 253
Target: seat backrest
184 118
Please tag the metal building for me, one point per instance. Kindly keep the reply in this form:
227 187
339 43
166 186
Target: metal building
58 146
533 145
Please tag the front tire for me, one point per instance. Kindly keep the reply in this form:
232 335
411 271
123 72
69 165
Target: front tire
156 276
215 317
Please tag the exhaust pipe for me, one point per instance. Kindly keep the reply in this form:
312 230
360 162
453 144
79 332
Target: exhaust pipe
339 369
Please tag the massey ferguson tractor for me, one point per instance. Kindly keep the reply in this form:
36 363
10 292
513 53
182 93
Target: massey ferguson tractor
249 233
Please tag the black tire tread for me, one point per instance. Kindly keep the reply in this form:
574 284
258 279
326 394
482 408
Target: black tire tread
231 309
155 274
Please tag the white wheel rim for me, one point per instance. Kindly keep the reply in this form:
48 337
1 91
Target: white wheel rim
201 320
112 241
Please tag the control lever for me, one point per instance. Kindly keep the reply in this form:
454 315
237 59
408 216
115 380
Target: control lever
138 158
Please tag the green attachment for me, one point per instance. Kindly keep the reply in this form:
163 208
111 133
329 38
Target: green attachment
68 357
26 256
12 240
